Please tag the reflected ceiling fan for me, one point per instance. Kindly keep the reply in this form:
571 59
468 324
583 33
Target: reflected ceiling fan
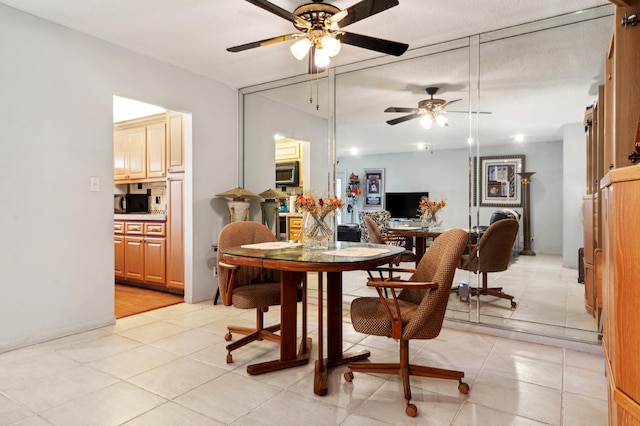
429 110
320 30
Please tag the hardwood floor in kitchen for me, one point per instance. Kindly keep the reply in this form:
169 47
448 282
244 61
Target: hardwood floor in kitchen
131 300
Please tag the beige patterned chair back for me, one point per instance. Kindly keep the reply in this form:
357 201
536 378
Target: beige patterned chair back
439 265
382 219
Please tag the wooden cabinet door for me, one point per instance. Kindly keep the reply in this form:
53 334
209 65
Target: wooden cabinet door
175 223
120 155
156 157
118 245
175 142
134 255
137 153
154 260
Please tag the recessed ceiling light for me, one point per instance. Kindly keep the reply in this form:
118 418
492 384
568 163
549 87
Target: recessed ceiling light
519 137
422 146
354 151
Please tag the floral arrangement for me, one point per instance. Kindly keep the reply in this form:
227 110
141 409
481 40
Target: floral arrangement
320 208
314 226
427 205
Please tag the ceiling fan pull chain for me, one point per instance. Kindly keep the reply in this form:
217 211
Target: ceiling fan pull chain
317 94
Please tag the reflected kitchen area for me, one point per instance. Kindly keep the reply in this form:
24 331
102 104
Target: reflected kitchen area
520 92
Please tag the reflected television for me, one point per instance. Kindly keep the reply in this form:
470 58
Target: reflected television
404 205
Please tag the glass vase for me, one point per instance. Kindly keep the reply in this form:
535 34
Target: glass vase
431 219
317 230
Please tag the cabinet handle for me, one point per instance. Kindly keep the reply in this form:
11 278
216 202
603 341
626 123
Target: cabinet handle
629 20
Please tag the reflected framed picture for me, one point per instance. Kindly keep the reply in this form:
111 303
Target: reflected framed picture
499 184
373 189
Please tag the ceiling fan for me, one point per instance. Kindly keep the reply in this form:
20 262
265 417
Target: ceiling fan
430 110
320 30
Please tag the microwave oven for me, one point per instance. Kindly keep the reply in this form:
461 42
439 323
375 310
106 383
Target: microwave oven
131 203
287 173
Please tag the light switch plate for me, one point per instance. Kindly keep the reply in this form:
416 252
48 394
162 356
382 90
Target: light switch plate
95 184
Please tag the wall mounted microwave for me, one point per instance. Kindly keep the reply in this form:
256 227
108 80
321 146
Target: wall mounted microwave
287 173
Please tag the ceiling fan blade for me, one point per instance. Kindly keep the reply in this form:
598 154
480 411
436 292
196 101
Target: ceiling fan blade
401 109
266 42
379 45
277 10
403 119
364 9
450 102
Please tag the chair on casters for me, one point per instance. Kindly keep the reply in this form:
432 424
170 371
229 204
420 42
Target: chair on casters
492 254
417 312
249 287
377 237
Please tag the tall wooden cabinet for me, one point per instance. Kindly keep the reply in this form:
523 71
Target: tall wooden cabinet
619 193
621 267
175 222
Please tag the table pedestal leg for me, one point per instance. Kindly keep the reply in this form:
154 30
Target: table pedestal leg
335 356
289 357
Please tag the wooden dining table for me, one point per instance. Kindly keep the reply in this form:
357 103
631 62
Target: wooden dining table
294 260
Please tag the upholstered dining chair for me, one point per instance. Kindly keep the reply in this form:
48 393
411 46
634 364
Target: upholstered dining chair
377 237
417 312
492 254
248 287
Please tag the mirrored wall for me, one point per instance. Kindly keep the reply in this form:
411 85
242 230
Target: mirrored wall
515 93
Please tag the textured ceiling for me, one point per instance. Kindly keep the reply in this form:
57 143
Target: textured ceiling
532 84
194 34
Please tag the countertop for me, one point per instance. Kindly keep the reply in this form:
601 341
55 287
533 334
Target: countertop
140 216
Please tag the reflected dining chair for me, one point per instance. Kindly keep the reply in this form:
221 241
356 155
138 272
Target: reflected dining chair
492 254
377 237
248 287
417 312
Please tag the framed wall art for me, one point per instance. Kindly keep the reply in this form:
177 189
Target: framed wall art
373 189
499 184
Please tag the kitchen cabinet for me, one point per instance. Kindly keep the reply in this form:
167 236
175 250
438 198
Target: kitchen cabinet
175 142
156 147
294 226
142 247
129 154
118 245
139 150
287 150
175 240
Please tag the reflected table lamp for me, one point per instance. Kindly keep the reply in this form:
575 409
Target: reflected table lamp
237 206
270 208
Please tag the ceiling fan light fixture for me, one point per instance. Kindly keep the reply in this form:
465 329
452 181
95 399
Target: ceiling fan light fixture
426 121
321 58
330 44
441 120
300 48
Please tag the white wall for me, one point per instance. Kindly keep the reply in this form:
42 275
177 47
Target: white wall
267 118
56 256
444 175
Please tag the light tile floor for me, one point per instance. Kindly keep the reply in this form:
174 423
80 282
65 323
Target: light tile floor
168 367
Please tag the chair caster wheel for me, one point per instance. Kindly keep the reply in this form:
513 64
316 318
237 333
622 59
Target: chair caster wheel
227 337
348 376
411 410
229 358
513 304
463 388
